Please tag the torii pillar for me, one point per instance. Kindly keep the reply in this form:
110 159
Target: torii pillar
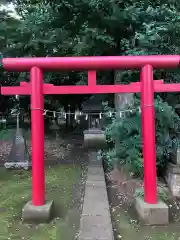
37 210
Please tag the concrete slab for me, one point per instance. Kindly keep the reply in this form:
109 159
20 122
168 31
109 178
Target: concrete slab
93 155
96 163
39 214
94 160
95 193
95 170
95 184
99 200
99 209
87 238
95 177
152 214
96 227
96 219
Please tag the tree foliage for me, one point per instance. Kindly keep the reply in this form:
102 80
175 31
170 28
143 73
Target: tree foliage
89 27
103 27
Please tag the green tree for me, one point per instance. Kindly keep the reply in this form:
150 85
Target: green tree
89 27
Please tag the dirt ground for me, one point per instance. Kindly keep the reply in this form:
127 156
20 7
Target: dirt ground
57 148
121 191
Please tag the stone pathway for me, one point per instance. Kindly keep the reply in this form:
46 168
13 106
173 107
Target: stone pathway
95 220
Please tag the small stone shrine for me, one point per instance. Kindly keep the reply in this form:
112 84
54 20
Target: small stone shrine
173 173
94 136
19 157
93 107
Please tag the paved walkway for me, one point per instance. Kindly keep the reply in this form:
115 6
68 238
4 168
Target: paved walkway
96 220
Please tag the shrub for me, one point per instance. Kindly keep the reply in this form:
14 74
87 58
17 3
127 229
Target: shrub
126 133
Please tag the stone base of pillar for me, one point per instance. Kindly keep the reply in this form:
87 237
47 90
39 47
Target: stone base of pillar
152 214
37 214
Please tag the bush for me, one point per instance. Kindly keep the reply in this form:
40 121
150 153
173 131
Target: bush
126 133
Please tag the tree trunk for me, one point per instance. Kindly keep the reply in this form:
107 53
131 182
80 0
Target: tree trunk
122 101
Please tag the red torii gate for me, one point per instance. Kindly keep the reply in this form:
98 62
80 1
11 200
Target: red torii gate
36 89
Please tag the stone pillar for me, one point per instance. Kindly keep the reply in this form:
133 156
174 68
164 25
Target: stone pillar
173 173
19 156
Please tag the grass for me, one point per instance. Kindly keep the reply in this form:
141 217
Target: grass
8 134
15 191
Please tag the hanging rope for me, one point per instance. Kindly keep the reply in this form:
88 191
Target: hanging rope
77 114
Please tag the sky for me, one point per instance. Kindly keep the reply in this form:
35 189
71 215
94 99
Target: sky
11 8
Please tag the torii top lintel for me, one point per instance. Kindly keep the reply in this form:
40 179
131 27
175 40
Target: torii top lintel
90 63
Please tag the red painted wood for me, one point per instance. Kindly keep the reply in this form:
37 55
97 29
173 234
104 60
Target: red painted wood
90 63
148 134
37 137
